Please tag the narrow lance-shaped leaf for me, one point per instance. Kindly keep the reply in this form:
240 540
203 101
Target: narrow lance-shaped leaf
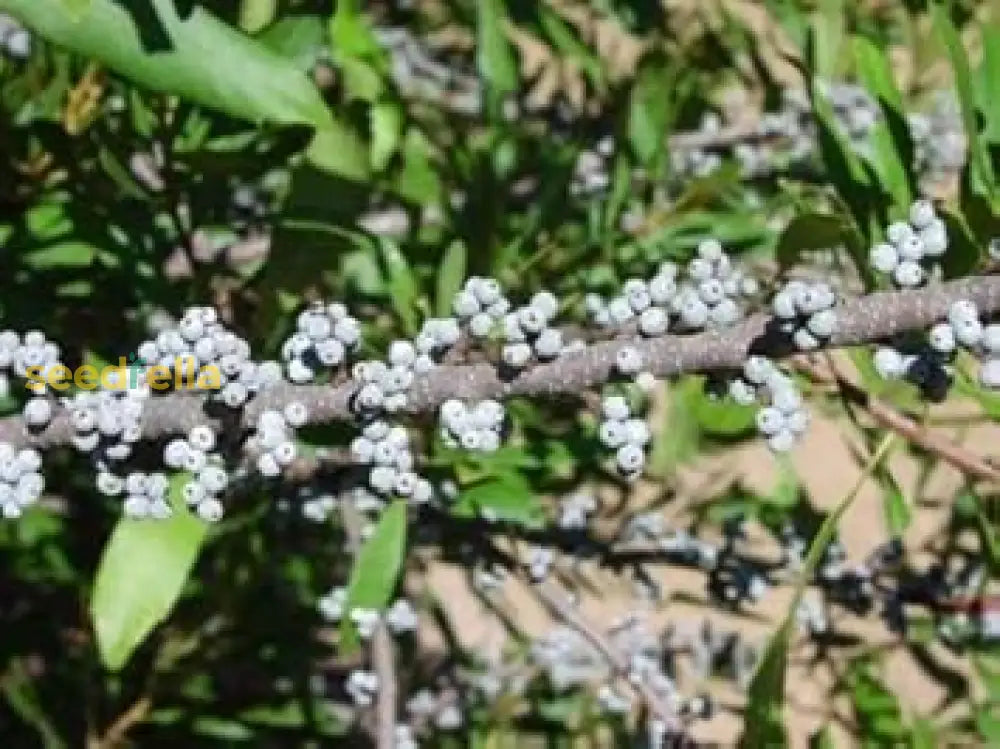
494 56
983 180
451 276
767 690
140 576
376 569
166 53
893 147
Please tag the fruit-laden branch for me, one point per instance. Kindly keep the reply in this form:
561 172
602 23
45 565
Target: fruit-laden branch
860 320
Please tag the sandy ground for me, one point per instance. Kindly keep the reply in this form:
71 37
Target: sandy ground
828 470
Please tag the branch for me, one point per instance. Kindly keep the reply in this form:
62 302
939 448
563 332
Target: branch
888 417
860 320
558 602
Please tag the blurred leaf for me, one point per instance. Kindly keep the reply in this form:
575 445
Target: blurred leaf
809 232
494 55
376 569
450 277
893 148
828 23
878 711
246 79
352 36
418 181
822 739
401 284
721 416
506 498
256 14
989 81
676 439
650 108
963 255
565 39
983 180
221 728
20 694
766 696
898 513
142 571
298 38
387 119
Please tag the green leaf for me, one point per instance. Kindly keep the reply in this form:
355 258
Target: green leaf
809 232
878 710
983 179
18 690
401 284
418 181
650 109
676 441
376 569
256 14
721 417
143 568
494 55
565 39
507 498
764 724
387 119
893 147
68 254
828 21
245 79
450 277
963 255
898 513
298 38
989 80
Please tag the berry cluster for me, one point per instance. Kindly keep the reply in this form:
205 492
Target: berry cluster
145 493
199 340
911 246
626 435
805 312
384 387
481 305
210 479
784 419
475 428
927 363
107 423
325 335
527 332
708 295
21 481
273 439
387 450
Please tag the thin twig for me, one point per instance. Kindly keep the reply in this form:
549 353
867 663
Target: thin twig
116 732
558 602
888 417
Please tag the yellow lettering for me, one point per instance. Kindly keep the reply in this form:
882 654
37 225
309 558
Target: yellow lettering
158 377
115 378
210 378
36 380
59 377
86 377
